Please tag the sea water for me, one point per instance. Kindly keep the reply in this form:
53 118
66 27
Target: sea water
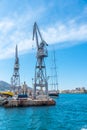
69 113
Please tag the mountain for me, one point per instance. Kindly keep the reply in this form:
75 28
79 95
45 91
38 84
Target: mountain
4 86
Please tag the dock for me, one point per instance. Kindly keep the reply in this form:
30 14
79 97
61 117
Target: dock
29 102
38 95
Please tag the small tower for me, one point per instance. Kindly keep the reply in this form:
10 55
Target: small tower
15 79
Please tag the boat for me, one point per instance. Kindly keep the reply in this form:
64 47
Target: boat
5 96
22 96
7 93
53 93
54 77
2 100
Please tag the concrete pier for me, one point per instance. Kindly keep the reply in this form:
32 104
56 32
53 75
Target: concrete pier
29 102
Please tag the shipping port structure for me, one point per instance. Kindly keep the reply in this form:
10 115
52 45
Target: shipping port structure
39 95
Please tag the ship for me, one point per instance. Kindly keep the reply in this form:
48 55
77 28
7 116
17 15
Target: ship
54 77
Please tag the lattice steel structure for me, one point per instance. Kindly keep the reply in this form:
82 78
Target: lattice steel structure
15 79
40 79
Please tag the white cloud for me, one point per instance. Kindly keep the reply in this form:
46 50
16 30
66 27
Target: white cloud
18 30
70 32
6 25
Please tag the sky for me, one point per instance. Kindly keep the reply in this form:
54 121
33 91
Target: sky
63 25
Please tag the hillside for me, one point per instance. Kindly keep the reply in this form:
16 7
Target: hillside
4 86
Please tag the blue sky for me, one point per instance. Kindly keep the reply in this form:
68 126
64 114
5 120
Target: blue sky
63 24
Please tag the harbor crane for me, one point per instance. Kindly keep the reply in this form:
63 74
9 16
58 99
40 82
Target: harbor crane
15 79
40 79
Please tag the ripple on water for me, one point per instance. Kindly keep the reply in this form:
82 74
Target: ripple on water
70 113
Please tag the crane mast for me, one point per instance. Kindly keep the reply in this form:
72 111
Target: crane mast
40 79
15 79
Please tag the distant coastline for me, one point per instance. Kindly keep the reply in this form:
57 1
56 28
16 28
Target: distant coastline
76 90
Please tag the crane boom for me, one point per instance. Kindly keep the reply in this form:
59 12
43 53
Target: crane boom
36 32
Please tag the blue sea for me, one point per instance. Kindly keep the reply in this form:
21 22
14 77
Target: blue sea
70 113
